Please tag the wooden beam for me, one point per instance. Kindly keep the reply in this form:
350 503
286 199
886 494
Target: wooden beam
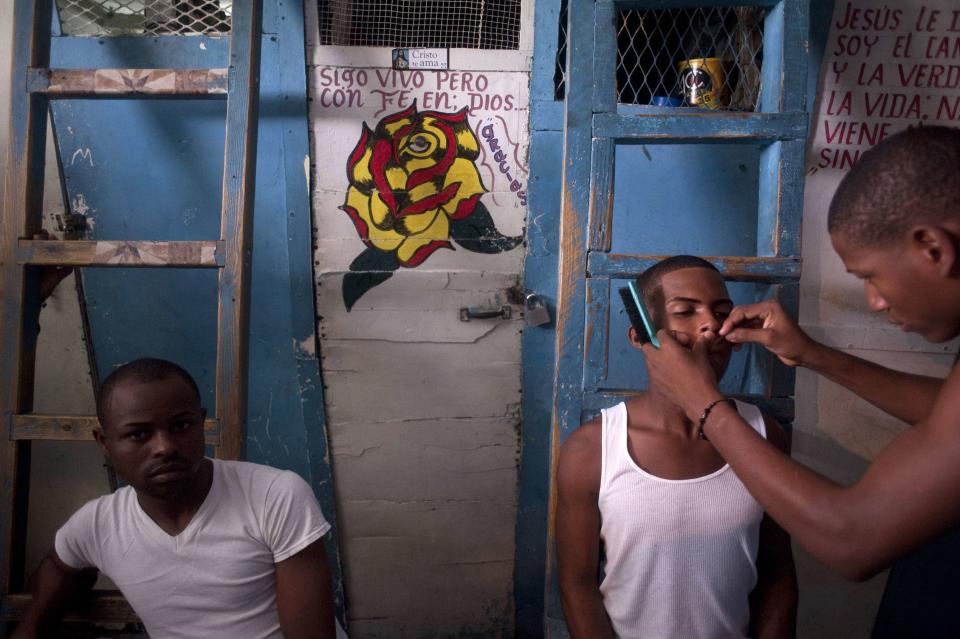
736 269
92 83
78 428
236 225
104 606
19 298
142 254
699 126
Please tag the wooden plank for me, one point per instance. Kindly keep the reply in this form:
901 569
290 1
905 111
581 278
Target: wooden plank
92 83
596 333
78 428
605 58
771 76
601 194
22 211
735 269
575 205
104 606
796 29
685 4
236 223
700 126
208 254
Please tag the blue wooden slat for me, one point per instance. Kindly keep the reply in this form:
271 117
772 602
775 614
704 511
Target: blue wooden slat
547 18
604 58
546 116
796 16
769 199
597 332
771 78
540 276
785 377
601 194
236 222
575 205
701 126
685 4
22 212
739 269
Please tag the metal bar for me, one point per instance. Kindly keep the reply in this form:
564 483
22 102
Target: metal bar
68 428
19 290
236 223
736 269
120 83
701 127
140 254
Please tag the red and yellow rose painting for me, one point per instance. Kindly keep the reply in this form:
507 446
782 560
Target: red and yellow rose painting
415 189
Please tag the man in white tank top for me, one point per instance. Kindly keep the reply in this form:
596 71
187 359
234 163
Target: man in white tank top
689 554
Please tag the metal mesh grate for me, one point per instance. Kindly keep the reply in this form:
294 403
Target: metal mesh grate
560 72
144 17
707 57
474 24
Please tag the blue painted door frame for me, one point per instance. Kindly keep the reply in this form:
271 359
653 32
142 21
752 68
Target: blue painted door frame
152 169
648 206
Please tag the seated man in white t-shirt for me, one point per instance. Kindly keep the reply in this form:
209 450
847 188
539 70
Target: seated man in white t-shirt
199 547
689 553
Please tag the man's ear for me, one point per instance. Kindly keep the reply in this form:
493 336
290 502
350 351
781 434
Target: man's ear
939 246
101 440
634 337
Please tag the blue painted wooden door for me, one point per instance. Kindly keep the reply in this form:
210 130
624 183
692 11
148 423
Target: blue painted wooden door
152 170
638 183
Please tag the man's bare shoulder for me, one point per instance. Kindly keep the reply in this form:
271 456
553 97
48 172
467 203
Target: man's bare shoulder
579 463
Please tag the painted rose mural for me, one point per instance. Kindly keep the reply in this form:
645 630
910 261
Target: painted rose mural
415 189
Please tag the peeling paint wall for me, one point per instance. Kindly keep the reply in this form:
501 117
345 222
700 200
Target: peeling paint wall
423 408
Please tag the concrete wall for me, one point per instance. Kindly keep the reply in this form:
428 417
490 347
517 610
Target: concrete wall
423 408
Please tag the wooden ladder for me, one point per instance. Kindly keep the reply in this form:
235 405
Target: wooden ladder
33 85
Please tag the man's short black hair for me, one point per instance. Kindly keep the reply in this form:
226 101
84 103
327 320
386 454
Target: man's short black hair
912 177
145 369
649 281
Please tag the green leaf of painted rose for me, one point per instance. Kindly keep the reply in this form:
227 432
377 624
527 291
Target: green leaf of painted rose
369 269
479 234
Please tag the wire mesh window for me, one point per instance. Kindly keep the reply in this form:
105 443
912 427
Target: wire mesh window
473 24
705 57
144 17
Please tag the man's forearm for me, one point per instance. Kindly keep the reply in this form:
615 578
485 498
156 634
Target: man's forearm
906 396
775 609
584 613
53 593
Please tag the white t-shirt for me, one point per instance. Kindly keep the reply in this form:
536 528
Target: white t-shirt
216 578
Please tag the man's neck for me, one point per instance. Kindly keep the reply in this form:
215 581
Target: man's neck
655 411
173 514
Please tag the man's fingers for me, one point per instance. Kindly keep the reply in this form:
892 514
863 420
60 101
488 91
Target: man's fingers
741 335
746 314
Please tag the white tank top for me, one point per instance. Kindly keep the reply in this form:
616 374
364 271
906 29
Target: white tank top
680 554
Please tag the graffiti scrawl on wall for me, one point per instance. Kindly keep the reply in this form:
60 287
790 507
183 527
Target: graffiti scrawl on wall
414 188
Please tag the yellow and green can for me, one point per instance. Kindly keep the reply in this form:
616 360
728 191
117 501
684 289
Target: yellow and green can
703 82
